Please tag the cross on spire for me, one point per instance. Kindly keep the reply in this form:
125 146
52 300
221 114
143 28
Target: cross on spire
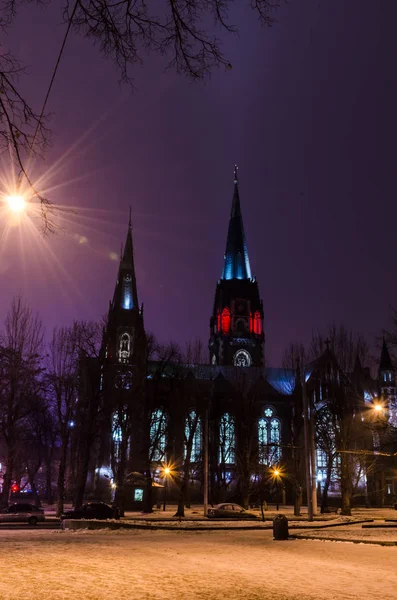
129 220
235 173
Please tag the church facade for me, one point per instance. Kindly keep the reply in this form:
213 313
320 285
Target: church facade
244 416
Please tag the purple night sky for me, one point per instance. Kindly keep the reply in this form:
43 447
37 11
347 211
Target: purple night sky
309 114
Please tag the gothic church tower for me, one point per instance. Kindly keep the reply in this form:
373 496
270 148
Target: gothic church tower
236 325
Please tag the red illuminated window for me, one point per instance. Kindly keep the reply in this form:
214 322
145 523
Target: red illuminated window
226 320
218 321
257 323
251 323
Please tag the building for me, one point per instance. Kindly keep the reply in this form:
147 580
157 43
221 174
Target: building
154 411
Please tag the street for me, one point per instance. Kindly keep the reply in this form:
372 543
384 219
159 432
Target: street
100 565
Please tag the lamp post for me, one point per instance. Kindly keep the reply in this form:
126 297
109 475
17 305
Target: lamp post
277 477
166 472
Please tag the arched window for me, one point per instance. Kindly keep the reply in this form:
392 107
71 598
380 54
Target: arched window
126 293
124 347
269 438
262 441
227 439
226 320
117 434
257 323
193 436
158 435
275 440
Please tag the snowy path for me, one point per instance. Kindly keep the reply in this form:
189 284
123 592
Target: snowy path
220 565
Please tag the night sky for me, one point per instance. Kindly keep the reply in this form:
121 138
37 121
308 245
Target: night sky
308 112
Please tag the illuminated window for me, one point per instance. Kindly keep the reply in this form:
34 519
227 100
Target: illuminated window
117 435
269 438
226 320
227 439
158 435
262 441
138 495
257 323
124 347
193 433
126 295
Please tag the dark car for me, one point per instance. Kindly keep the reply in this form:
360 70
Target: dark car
92 510
22 513
230 511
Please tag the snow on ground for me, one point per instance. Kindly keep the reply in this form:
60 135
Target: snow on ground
353 532
157 565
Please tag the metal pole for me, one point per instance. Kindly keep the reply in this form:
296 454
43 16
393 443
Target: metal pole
277 493
206 462
313 458
307 451
165 492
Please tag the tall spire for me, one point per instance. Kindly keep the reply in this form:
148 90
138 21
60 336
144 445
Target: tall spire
125 294
385 363
236 261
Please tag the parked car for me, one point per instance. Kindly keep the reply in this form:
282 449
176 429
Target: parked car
92 510
230 511
22 513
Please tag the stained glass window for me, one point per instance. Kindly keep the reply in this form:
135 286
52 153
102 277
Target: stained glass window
193 431
227 439
158 435
269 438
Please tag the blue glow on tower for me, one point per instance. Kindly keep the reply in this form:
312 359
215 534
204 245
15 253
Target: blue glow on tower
236 261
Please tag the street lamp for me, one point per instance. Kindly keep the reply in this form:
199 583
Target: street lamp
16 203
166 474
276 475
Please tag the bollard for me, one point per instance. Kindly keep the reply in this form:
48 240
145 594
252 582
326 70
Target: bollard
280 528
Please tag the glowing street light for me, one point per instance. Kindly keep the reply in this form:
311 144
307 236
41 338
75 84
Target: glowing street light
378 407
16 203
166 474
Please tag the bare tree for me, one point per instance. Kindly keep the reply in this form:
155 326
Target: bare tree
68 345
21 345
124 31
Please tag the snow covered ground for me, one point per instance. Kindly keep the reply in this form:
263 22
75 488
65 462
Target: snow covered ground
154 565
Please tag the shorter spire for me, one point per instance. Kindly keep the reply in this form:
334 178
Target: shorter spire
385 363
129 220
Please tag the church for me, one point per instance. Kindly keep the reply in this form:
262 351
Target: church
234 414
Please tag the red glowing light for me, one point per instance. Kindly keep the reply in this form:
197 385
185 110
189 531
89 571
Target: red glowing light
257 323
226 320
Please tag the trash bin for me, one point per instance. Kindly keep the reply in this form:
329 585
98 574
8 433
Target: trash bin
280 528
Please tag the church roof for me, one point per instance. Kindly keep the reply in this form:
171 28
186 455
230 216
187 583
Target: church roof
385 363
236 261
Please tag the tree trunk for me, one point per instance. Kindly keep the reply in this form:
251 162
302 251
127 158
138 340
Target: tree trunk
81 477
48 476
7 481
324 498
61 480
298 499
345 486
182 495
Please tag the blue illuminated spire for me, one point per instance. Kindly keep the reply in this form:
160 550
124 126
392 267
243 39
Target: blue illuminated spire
237 264
128 297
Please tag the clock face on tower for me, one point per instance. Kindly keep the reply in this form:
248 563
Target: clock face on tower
242 358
